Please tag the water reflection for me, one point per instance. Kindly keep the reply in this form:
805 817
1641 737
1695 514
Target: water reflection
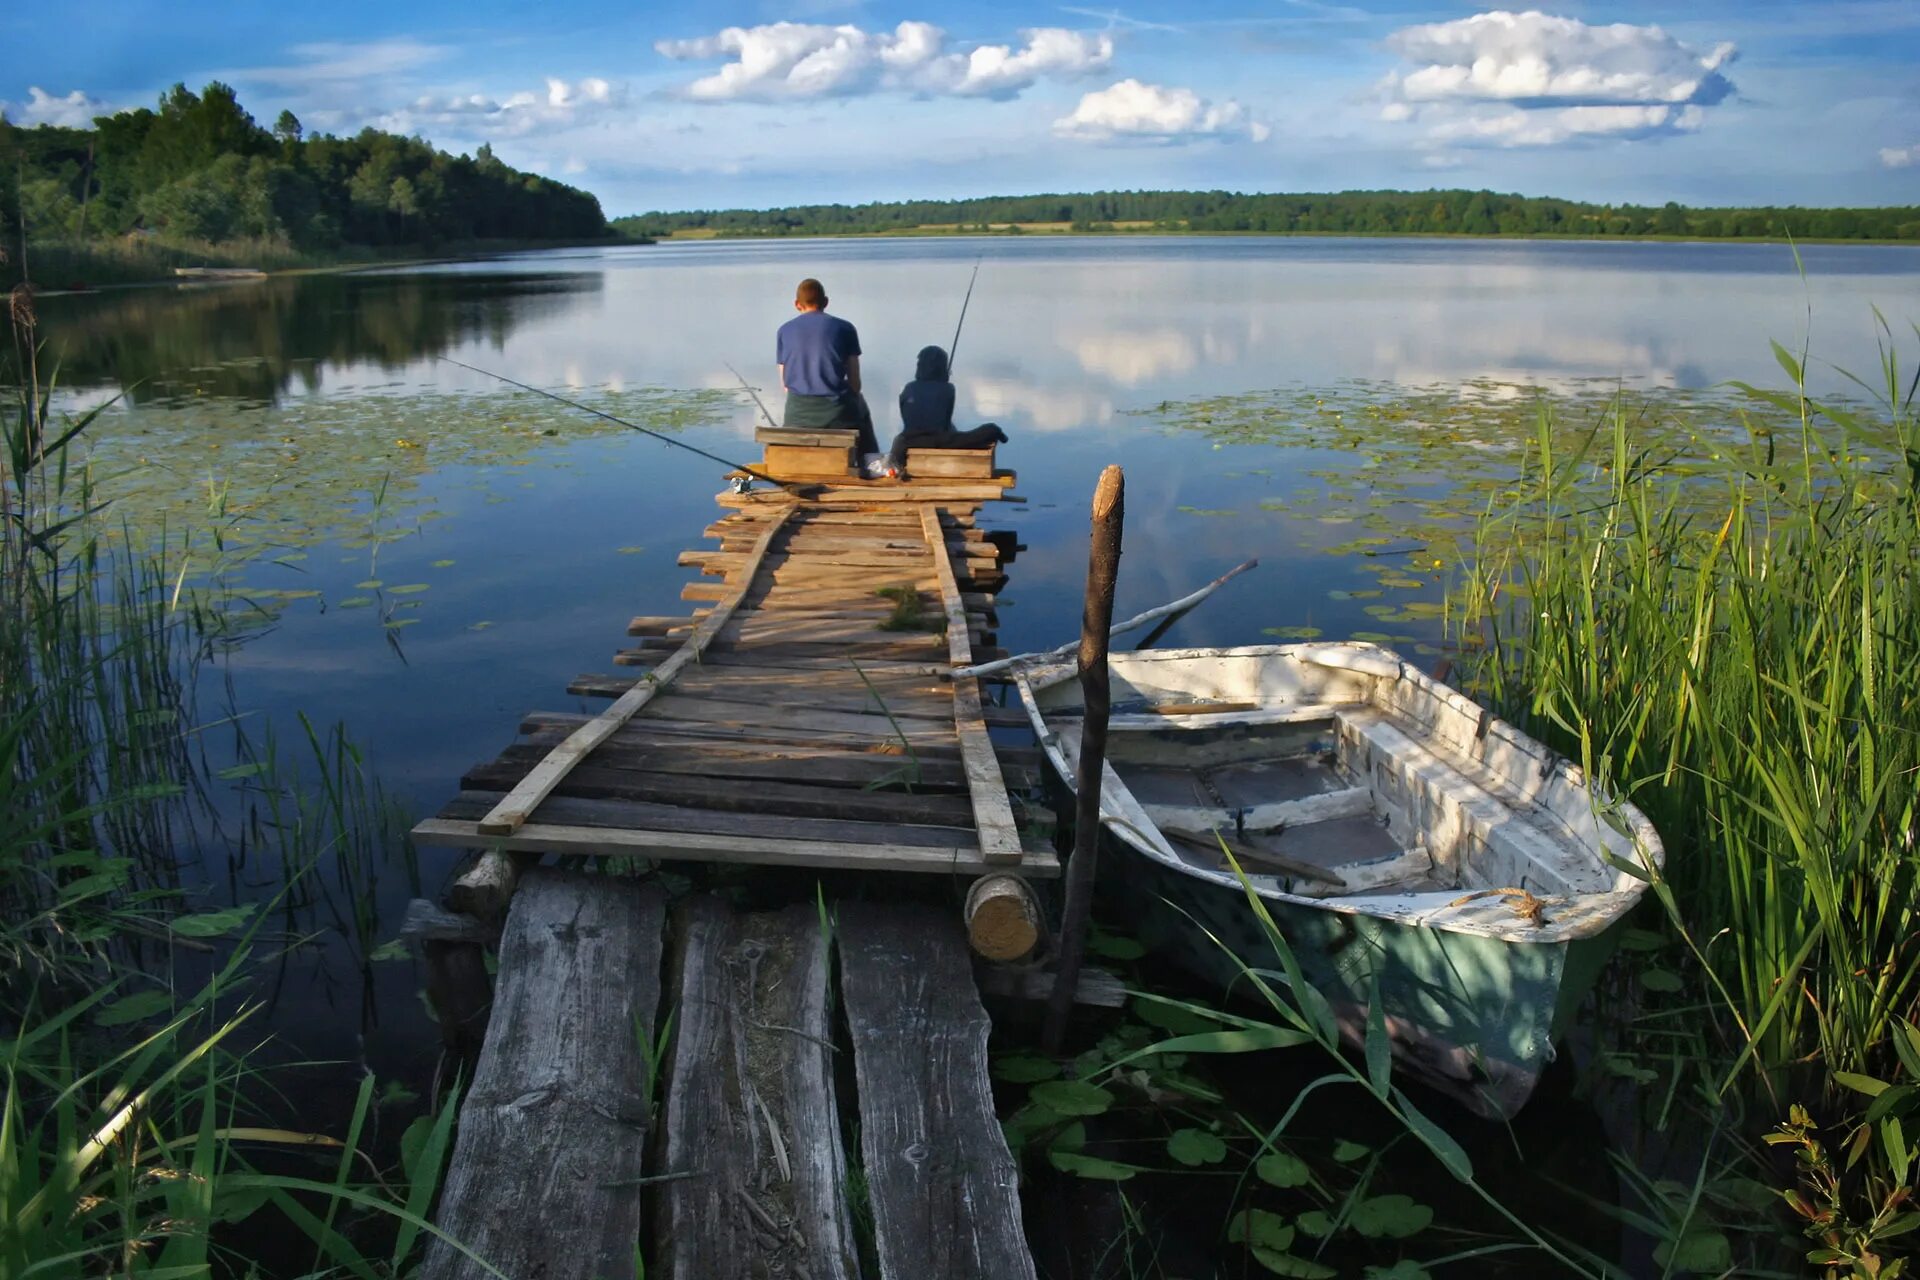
257 341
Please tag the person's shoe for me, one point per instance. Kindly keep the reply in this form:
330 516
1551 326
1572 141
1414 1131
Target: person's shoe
999 436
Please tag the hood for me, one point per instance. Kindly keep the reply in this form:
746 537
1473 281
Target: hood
932 365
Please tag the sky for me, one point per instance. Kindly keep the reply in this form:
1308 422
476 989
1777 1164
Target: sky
752 103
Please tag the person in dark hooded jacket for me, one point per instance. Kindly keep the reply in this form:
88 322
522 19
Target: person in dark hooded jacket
926 414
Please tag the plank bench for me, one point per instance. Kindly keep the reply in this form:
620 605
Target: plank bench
968 464
810 454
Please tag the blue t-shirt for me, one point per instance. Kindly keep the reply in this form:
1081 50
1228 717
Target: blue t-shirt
814 348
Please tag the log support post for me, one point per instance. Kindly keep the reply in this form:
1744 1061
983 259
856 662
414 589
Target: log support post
1004 923
1103 571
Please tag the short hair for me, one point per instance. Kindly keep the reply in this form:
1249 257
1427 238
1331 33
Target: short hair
810 293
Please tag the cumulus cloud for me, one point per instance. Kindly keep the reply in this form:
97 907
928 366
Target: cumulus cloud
1503 79
1900 157
562 105
791 60
75 111
1155 113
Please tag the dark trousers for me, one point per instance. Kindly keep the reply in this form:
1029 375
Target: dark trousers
846 412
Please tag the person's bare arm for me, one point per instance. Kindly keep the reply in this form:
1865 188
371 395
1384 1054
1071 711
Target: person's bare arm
853 374
783 377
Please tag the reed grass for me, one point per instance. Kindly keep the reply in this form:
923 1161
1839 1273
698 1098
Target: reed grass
1729 639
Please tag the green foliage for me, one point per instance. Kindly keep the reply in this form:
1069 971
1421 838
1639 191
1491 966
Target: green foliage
199 169
1339 213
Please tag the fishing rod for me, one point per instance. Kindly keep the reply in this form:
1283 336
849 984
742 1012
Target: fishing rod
755 472
748 388
953 349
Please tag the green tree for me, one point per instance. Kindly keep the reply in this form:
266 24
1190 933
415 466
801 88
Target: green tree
287 127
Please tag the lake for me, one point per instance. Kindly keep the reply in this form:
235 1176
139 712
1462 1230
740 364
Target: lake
423 554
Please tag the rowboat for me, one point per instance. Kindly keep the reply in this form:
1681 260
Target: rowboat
1409 846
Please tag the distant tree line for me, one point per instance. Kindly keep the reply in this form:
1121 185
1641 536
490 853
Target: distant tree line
1349 212
199 168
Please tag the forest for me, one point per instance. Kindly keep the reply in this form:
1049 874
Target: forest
199 170
1345 212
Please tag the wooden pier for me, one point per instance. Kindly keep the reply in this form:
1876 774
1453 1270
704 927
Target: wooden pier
707 1092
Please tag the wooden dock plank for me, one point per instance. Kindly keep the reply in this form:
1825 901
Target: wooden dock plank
545 1170
992 814
515 808
945 1189
754 1173
679 820
539 837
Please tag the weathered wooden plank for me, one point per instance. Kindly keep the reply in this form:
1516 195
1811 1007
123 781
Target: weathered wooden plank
754 1170
922 740
694 847
594 781
808 461
515 808
823 766
799 436
944 1187
992 814
574 811
955 463
823 723
545 1174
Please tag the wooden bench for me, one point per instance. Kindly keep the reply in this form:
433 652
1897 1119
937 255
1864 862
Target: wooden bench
969 464
812 454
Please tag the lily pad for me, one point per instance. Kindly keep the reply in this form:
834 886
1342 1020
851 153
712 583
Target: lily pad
1073 1097
1195 1147
1394 1216
1279 1169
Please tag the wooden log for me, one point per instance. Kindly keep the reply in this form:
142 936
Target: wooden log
545 1175
485 888
1096 988
635 842
754 1173
1096 622
1003 918
452 950
944 1188
515 808
992 815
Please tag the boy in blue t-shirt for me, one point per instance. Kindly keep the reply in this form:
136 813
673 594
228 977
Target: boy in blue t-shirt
819 357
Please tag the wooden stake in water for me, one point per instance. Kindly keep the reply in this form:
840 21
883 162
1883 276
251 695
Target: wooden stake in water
1103 570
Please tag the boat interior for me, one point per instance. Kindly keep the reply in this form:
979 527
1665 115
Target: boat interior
1323 787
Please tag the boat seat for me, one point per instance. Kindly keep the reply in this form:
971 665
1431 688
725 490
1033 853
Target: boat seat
813 455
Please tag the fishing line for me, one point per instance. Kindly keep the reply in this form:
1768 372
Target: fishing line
953 348
748 388
755 472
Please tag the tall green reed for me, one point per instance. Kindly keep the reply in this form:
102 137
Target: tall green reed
1728 638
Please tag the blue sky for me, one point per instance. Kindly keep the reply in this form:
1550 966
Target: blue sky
802 101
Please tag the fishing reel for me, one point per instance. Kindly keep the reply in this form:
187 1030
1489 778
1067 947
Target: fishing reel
741 484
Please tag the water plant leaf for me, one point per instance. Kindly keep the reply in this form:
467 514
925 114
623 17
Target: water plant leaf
1663 980
1379 1049
1287 1264
1346 1151
1024 1068
371 584
1292 633
213 924
1317 1223
629 551
233 773
1705 1252
1093 1167
1176 1018
410 588
1262 1229
1860 1083
1072 1097
442 564
353 602
1280 1169
1642 939
1394 1216
1405 1269
481 625
134 1008
1114 946
1195 1147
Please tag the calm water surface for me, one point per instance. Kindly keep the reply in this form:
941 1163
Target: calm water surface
526 539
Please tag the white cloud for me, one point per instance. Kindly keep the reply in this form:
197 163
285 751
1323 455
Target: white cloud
562 105
330 64
1151 112
75 111
1900 157
792 60
1504 79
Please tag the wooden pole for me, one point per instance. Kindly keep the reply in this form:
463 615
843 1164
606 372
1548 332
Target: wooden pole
1103 569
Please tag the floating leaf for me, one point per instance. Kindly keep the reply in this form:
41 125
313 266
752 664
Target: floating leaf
1279 1169
1114 946
482 625
1317 1223
1173 1018
1347 1151
1293 633
1395 1216
1195 1147
442 564
353 602
1706 1252
1261 1229
631 551
1024 1068
1664 980
134 1008
411 588
1092 1167
212 924
1367 594
371 584
1642 940
1073 1097
391 949
1405 1269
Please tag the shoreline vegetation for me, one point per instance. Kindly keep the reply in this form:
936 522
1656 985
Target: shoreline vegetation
197 182
1448 214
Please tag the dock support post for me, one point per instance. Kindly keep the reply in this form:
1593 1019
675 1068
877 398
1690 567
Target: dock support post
1103 570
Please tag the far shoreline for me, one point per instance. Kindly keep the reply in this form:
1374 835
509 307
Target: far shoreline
916 233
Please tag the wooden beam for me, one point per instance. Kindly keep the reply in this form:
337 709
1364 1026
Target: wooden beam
525 798
992 814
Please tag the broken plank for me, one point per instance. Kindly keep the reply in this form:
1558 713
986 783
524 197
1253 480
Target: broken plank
545 1175
751 1125
945 1190
515 808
